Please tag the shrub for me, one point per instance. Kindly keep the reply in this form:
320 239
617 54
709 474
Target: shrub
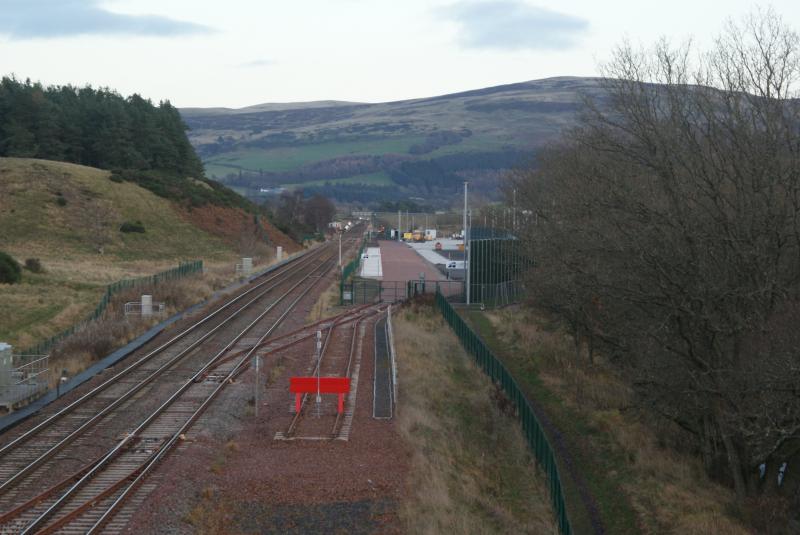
132 226
61 201
34 265
116 176
10 270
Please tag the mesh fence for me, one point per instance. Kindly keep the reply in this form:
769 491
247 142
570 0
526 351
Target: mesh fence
531 427
349 269
183 270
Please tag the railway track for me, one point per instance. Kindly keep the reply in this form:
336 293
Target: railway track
320 420
107 424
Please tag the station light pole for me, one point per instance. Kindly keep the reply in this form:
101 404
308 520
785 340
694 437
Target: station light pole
466 242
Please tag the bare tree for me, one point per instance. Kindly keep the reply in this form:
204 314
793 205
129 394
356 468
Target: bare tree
667 230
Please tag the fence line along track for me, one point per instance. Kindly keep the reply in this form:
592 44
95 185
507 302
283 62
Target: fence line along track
50 451
96 492
5 448
56 431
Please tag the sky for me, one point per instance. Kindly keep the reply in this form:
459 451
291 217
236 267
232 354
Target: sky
236 53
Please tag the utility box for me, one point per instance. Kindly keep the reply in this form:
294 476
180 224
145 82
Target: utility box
247 265
279 254
147 305
6 358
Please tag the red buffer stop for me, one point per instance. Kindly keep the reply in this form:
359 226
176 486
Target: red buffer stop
323 385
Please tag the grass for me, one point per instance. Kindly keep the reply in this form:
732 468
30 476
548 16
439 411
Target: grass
34 225
471 470
327 305
641 484
281 159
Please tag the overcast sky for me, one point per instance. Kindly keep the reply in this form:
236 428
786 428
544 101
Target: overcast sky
236 53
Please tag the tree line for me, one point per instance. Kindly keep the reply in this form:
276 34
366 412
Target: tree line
140 141
666 234
299 216
94 127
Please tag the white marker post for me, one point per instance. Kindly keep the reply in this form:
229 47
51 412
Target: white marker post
257 360
319 364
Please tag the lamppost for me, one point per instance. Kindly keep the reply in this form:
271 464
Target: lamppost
466 243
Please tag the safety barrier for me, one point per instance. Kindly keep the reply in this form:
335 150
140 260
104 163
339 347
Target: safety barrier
531 427
183 270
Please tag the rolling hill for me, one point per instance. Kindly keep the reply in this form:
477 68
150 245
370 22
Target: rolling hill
365 153
71 218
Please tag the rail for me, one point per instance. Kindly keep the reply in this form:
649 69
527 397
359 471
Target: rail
532 429
144 359
96 467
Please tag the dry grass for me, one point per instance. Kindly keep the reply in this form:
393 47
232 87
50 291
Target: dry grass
102 337
668 490
211 516
327 305
471 469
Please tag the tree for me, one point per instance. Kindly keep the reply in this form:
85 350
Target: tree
667 230
10 270
319 211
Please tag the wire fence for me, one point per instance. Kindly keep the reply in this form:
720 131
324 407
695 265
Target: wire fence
183 270
534 433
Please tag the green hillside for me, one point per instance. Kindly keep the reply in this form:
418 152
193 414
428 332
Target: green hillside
423 147
65 214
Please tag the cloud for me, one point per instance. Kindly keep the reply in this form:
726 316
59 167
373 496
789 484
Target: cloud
42 19
256 63
513 25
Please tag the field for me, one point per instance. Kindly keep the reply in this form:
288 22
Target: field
64 215
291 158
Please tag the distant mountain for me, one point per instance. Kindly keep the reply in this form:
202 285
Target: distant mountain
366 153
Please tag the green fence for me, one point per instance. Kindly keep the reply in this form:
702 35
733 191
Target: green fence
349 269
183 270
530 424
497 266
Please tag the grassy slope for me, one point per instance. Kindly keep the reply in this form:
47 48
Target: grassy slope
640 485
471 470
34 225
